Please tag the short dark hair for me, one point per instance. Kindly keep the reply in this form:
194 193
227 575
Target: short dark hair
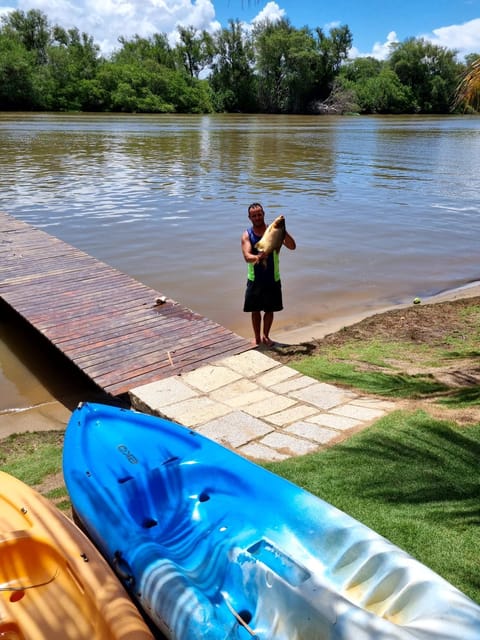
255 205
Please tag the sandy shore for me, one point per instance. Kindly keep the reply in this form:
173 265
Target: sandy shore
54 413
50 416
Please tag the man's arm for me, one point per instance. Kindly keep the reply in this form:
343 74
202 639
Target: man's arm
247 249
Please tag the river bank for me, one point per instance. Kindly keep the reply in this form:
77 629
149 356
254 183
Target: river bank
319 330
53 407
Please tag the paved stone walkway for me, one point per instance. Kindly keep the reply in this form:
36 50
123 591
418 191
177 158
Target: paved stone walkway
262 409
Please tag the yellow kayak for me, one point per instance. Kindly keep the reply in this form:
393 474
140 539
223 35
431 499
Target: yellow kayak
54 584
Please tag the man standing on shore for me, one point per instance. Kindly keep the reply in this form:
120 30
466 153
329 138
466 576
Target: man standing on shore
264 289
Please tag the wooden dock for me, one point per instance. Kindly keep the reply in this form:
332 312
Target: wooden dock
108 324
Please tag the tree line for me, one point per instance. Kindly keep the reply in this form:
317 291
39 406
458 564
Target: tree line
270 68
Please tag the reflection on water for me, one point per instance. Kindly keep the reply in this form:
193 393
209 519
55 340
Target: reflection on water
382 208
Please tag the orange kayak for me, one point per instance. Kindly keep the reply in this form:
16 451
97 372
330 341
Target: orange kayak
54 584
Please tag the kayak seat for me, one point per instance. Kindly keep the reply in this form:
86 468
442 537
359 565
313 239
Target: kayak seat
26 562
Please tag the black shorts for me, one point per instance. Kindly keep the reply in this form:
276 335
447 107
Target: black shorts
261 296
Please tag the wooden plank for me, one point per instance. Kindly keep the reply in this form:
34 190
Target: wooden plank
119 356
104 321
165 370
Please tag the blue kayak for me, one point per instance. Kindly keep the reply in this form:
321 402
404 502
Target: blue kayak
214 547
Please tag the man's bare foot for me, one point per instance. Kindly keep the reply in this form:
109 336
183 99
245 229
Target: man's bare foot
266 341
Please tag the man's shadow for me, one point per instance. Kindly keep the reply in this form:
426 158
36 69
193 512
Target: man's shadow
284 349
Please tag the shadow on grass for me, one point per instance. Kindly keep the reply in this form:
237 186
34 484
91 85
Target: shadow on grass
462 355
400 385
423 461
411 478
462 398
404 458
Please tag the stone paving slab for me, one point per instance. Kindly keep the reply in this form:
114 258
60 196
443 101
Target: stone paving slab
271 404
321 395
259 451
235 429
359 413
259 407
291 414
195 411
237 392
251 365
311 431
164 392
259 395
374 403
341 423
292 384
209 378
288 445
275 376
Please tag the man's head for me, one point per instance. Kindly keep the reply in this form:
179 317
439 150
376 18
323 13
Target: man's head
256 213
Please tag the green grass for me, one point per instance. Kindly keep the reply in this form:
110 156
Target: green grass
465 342
378 366
31 457
461 398
414 480
375 351
393 385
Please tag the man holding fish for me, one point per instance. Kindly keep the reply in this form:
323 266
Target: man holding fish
260 247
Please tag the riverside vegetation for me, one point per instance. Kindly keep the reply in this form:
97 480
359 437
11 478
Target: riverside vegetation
413 475
273 68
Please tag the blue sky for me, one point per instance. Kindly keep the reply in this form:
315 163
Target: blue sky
374 23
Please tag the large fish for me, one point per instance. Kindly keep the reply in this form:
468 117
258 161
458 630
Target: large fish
272 239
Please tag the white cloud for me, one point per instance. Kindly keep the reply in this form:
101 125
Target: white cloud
5 10
271 12
107 20
380 50
464 38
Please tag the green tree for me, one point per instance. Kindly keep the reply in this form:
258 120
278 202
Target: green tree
376 87
195 49
429 71
137 50
361 69
73 60
384 93
285 65
151 88
16 77
332 53
297 67
232 78
130 88
144 76
32 29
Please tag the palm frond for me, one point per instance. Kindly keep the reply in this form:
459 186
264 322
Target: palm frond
468 91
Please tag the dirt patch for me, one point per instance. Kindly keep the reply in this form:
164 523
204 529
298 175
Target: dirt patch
429 324
50 483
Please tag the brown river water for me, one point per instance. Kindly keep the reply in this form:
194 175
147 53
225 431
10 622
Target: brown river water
383 209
